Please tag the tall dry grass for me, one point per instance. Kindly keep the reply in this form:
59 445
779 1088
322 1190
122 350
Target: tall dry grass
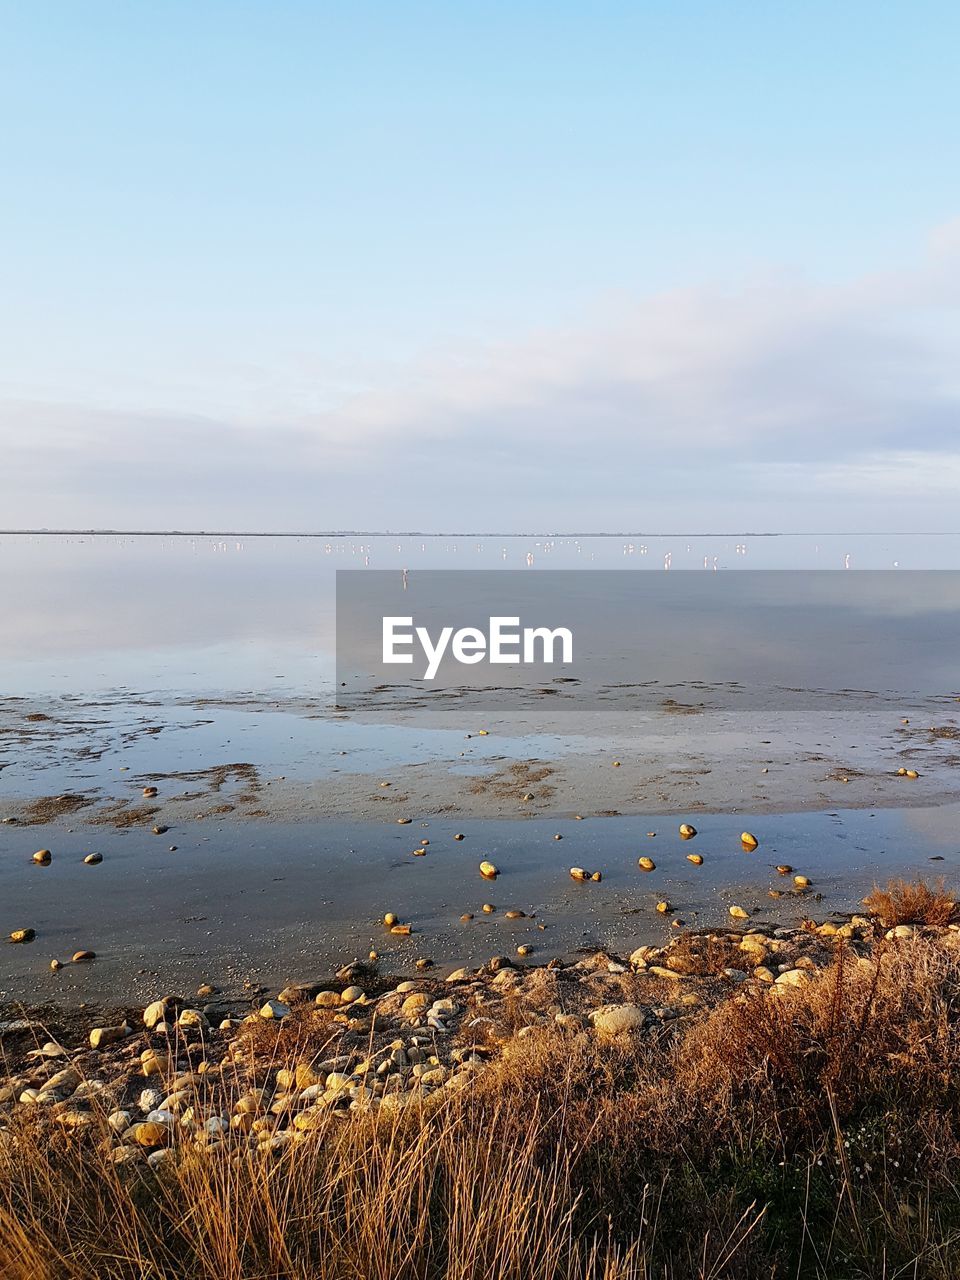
815 1133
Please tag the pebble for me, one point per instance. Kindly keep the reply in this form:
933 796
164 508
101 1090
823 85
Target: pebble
102 1036
274 1009
801 882
738 913
149 792
415 1005
488 870
83 957
900 931
488 908
614 1019
23 935
390 920
42 857
92 859
792 978
749 842
646 864
687 831
148 1134
351 994
695 858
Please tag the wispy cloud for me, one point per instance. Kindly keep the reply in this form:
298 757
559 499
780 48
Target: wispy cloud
825 401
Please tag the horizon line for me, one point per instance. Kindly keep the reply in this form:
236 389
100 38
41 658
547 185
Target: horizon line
471 533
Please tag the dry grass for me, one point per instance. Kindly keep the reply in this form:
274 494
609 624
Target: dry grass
815 1133
912 902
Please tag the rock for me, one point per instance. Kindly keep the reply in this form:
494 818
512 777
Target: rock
488 908
749 842
100 1037
695 858
48 1050
687 831
458 836
42 857
415 1005
738 913
578 873
350 995
328 999
646 864
156 1012
596 877
193 1019
524 949
65 1081
900 931
119 1121
558 836
274 1009
149 1100
793 978
150 792
148 1134
912 773
56 964
664 907
153 1063
763 974
14 1025
83 957
23 935
488 870
404 822
661 971
390 920
801 882
127 1154
402 930
92 859
784 868
615 1019
459 975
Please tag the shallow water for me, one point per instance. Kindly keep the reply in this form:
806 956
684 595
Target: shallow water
134 660
280 902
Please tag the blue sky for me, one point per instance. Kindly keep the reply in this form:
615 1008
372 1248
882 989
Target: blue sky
438 265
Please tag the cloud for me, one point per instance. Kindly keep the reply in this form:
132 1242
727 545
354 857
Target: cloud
821 401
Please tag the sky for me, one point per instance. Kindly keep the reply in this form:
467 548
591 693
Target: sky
518 265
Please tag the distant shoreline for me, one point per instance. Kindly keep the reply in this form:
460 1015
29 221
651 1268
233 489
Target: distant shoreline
462 533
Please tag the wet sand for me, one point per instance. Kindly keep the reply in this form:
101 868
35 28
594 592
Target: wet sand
273 902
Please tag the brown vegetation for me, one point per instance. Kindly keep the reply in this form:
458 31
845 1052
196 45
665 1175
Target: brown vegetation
912 902
812 1132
